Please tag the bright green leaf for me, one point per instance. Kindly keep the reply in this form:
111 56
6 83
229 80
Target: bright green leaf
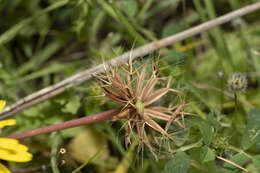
207 132
130 7
207 154
171 29
173 57
72 106
256 161
179 164
252 131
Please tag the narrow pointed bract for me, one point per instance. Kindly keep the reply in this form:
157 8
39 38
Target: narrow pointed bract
135 95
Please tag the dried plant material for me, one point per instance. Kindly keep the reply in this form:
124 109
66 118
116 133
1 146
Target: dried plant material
136 96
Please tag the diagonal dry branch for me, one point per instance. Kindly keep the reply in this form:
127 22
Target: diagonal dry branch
81 77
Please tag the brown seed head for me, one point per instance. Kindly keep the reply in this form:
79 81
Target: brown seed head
135 97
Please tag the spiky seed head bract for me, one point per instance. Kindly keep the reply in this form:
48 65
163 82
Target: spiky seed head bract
135 95
237 82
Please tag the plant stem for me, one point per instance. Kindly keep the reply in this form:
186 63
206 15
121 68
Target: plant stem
68 124
56 138
41 168
232 163
236 104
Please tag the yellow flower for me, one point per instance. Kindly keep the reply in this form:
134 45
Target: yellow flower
11 149
2 105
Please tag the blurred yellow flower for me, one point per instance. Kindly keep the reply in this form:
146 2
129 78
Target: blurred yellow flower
2 105
11 149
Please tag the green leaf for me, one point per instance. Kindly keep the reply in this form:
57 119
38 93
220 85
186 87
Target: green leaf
182 138
130 7
72 106
207 132
212 120
179 164
171 29
252 131
207 154
173 57
256 161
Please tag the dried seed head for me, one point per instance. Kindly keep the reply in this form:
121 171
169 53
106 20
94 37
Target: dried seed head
135 95
237 82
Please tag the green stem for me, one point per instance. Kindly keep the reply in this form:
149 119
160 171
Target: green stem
56 138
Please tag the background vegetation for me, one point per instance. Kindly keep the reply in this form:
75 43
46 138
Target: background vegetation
43 42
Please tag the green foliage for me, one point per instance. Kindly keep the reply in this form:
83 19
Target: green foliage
45 42
54 150
206 132
251 134
130 7
239 159
72 105
207 154
179 164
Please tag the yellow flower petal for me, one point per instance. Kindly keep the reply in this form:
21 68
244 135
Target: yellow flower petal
12 150
15 157
2 105
3 169
12 144
8 142
9 122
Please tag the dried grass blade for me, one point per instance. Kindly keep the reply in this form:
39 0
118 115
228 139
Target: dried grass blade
140 131
173 117
110 91
128 134
115 99
155 96
150 131
156 126
156 114
143 138
130 88
147 143
121 114
102 80
160 109
180 124
140 82
149 86
120 88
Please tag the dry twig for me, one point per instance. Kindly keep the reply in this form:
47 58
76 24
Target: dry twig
233 163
